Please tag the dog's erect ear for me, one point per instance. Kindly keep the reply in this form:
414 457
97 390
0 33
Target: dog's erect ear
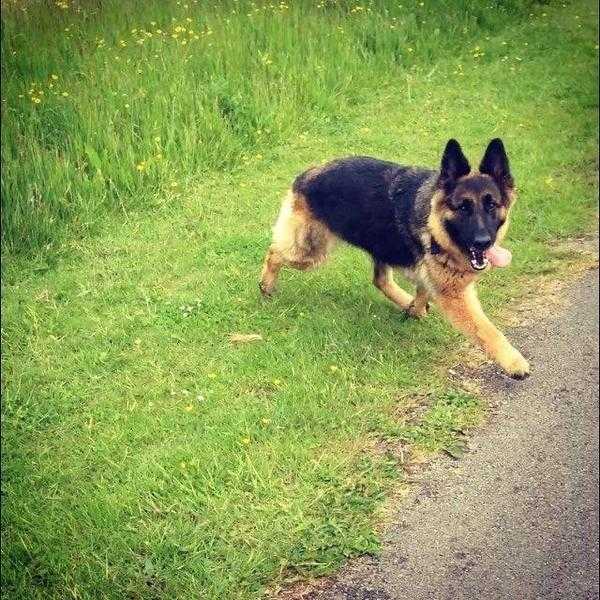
454 165
495 164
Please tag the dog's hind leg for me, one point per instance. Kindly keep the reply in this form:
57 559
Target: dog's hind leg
271 267
383 279
299 241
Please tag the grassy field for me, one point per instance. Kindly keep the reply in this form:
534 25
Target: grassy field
144 454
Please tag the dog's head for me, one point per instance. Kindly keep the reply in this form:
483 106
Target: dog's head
472 207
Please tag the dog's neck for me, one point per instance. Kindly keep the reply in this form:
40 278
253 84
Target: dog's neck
445 259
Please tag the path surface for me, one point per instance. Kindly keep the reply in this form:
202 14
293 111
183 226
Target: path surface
517 518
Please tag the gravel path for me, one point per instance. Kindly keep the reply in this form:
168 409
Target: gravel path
516 518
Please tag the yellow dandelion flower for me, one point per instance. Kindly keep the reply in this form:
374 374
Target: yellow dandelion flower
174 184
36 100
189 408
246 440
55 77
65 94
141 166
157 139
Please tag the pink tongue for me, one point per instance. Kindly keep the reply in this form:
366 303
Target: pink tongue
498 257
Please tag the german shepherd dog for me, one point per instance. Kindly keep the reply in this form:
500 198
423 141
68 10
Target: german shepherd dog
441 228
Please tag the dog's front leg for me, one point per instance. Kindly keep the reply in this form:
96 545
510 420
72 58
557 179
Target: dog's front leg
464 311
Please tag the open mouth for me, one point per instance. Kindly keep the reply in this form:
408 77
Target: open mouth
478 259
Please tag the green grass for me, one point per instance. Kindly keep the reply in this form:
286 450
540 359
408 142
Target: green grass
144 455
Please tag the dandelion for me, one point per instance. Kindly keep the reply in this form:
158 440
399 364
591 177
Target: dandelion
157 139
334 368
246 440
174 184
65 94
141 166
189 408
55 77
36 100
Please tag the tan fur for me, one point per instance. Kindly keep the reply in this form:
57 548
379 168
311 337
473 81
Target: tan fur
383 279
420 305
299 241
464 311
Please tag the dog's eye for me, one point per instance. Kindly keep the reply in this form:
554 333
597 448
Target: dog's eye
489 204
465 206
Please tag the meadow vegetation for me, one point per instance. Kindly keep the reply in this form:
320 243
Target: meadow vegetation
145 148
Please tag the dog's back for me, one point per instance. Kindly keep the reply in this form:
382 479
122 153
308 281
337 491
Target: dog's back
369 203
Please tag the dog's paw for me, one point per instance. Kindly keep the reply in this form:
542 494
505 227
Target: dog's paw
265 290
417 312
515 365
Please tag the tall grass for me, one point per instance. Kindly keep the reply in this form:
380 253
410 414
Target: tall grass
106 103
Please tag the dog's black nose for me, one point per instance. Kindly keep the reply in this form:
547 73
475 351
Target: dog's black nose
482 241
